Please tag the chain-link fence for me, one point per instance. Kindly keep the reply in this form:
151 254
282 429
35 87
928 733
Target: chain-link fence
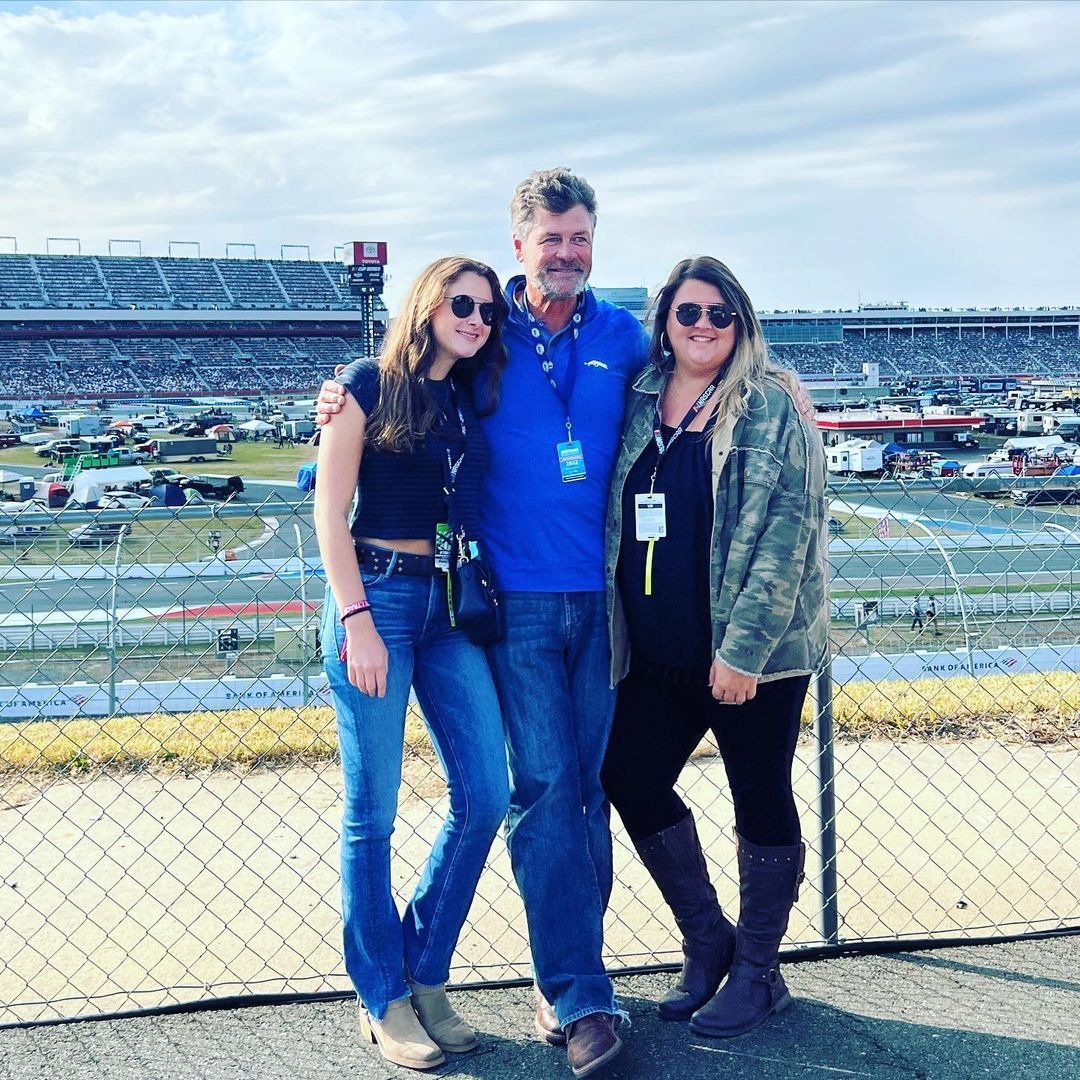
170 791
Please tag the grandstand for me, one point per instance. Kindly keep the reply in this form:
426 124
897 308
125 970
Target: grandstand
101 326
107 326
919 344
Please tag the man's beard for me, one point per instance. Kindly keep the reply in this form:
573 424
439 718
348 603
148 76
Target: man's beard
554 289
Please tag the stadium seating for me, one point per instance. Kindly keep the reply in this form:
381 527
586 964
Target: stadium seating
237 351
20 285
136 282
72 280
32 380
903 354
252 283
308 284
123 281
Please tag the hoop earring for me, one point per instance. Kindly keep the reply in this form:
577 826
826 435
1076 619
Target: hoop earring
665 345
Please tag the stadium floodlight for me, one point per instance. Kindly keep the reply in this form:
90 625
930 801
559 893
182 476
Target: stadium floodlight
137 244
185 244
229 246
14 245
50 240
305 248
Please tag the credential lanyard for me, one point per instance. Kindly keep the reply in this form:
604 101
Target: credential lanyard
452 466
450 473
547 367
663 447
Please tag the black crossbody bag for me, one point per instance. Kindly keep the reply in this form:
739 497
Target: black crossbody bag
473 591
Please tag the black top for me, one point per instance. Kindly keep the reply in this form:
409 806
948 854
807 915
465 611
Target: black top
672 628
401 493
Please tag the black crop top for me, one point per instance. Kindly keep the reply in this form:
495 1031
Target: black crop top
401 493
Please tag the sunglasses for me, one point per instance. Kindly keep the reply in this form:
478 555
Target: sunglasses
720 316
462 306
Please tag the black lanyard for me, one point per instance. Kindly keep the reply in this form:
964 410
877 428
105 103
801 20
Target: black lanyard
662 447
451 470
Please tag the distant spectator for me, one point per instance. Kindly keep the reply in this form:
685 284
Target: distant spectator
931 616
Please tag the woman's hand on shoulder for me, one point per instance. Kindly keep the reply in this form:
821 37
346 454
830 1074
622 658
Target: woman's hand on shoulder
331 398
730 687
803 401
365 655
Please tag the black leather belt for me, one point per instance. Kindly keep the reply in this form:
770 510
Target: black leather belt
377 560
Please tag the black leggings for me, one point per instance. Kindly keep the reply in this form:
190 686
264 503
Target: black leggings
658 723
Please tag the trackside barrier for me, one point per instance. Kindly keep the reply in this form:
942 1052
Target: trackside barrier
79 699
170 790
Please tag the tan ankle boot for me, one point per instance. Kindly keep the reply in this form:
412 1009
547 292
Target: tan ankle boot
439 1019
400 1037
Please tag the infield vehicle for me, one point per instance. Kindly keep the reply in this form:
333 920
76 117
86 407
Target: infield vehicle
195 450
1053 496
215 487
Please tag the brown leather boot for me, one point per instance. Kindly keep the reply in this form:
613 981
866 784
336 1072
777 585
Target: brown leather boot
547 1024
592 1042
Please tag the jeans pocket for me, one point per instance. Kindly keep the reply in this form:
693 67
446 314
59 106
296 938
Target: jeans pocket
373 579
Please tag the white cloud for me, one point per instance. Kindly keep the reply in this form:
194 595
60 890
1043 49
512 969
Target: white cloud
916 149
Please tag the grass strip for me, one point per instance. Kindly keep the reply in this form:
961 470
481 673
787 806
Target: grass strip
1032 709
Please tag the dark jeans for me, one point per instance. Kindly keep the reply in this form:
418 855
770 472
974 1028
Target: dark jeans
552 672
659 722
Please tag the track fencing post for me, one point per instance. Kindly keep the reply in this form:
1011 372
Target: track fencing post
825 768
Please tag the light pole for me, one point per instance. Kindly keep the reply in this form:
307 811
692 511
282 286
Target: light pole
959 591
112 617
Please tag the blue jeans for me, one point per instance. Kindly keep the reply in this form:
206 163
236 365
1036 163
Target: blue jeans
453 685
552 672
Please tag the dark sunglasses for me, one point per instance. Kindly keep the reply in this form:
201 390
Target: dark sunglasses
721 317
462 307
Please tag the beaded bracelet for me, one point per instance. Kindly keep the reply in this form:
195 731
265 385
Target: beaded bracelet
354 609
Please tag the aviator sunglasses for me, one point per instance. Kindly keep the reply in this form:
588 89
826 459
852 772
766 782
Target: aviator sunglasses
462 306
720 316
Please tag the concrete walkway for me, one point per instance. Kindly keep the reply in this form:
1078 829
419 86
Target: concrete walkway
1001 1011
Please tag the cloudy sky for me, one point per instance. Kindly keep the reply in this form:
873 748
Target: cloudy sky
826 151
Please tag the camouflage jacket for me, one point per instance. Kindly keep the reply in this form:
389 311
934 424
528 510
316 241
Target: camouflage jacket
768 567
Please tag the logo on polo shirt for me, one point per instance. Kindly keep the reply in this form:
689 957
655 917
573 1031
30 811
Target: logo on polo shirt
596 363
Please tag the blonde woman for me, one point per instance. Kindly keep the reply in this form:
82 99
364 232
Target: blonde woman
716 599
409 438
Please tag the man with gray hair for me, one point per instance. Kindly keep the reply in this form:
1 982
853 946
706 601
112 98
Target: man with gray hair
552 443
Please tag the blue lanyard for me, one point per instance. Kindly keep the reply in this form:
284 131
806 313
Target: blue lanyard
547 366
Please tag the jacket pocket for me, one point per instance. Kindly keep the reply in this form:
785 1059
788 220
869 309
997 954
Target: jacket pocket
759 466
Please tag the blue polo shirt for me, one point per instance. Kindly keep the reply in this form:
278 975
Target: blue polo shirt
545 535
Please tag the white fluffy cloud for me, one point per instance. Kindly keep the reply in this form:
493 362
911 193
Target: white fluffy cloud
915 150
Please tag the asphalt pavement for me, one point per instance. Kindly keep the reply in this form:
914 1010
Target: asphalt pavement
981 1011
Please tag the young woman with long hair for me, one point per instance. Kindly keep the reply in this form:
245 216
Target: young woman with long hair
409 443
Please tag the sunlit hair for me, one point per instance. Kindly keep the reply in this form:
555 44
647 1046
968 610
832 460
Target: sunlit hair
750 358
553 190
406 409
